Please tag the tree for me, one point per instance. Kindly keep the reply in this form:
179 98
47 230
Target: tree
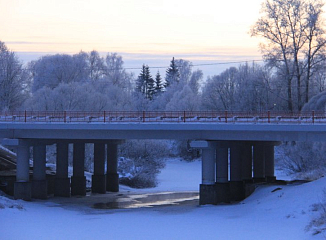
115 72
195 79
293 30
50 71
14 80
145 83
158 83
184 68
220 91
96 66
172 74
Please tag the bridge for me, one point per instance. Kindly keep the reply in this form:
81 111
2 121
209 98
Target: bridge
246 140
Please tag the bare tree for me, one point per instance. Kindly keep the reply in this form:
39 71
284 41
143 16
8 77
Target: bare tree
13 80
295 37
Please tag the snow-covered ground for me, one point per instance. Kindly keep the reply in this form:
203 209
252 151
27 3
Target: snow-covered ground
266 214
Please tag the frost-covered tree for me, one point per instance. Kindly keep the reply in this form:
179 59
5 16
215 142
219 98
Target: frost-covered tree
184 100
50 71
116 73
246 88
220 91
14 80
172 74
195 80
184 68
89 96
96 66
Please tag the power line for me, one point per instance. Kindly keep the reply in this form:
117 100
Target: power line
196 65
191 65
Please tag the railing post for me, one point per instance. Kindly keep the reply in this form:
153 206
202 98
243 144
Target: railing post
226 116
64 116
25 116
313 117
269 116
184 116
143 116
104 116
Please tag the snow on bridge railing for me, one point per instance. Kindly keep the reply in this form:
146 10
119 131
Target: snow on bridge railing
273 117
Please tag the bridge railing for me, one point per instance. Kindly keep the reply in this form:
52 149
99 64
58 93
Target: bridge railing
267 117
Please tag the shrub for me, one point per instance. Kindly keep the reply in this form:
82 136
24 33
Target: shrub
140 161
304 159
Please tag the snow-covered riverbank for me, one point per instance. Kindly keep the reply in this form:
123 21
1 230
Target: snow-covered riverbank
271 212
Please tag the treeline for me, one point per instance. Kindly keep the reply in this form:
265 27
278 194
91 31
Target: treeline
88 81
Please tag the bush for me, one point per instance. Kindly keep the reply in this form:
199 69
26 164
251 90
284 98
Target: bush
304 159
140 161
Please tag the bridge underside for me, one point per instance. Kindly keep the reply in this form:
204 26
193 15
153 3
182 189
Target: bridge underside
229 168
102 181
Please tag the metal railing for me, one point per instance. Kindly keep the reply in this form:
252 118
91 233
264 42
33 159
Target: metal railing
267 117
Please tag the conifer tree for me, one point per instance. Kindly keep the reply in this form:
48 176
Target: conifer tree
158 83
145 83
172 74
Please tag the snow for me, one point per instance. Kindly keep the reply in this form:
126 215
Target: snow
266 214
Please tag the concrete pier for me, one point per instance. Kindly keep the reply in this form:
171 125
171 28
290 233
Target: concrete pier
269 163
23 186
222 186
236 183
62 181
112 177
78 180
207 188
259 162
246 164
39 183
99 178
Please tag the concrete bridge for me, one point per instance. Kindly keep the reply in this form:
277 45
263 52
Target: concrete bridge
246 140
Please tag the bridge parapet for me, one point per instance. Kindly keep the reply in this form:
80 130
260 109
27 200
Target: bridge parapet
163 116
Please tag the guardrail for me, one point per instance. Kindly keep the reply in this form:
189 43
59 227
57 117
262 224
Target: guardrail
162 116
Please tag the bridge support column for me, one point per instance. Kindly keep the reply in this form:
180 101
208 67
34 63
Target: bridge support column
112 176
269 163
259 162
62 181
207 188
99 179
247 163
22 186
222 186
39 183
78 180
236 183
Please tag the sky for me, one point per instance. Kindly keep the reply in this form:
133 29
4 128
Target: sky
142 31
